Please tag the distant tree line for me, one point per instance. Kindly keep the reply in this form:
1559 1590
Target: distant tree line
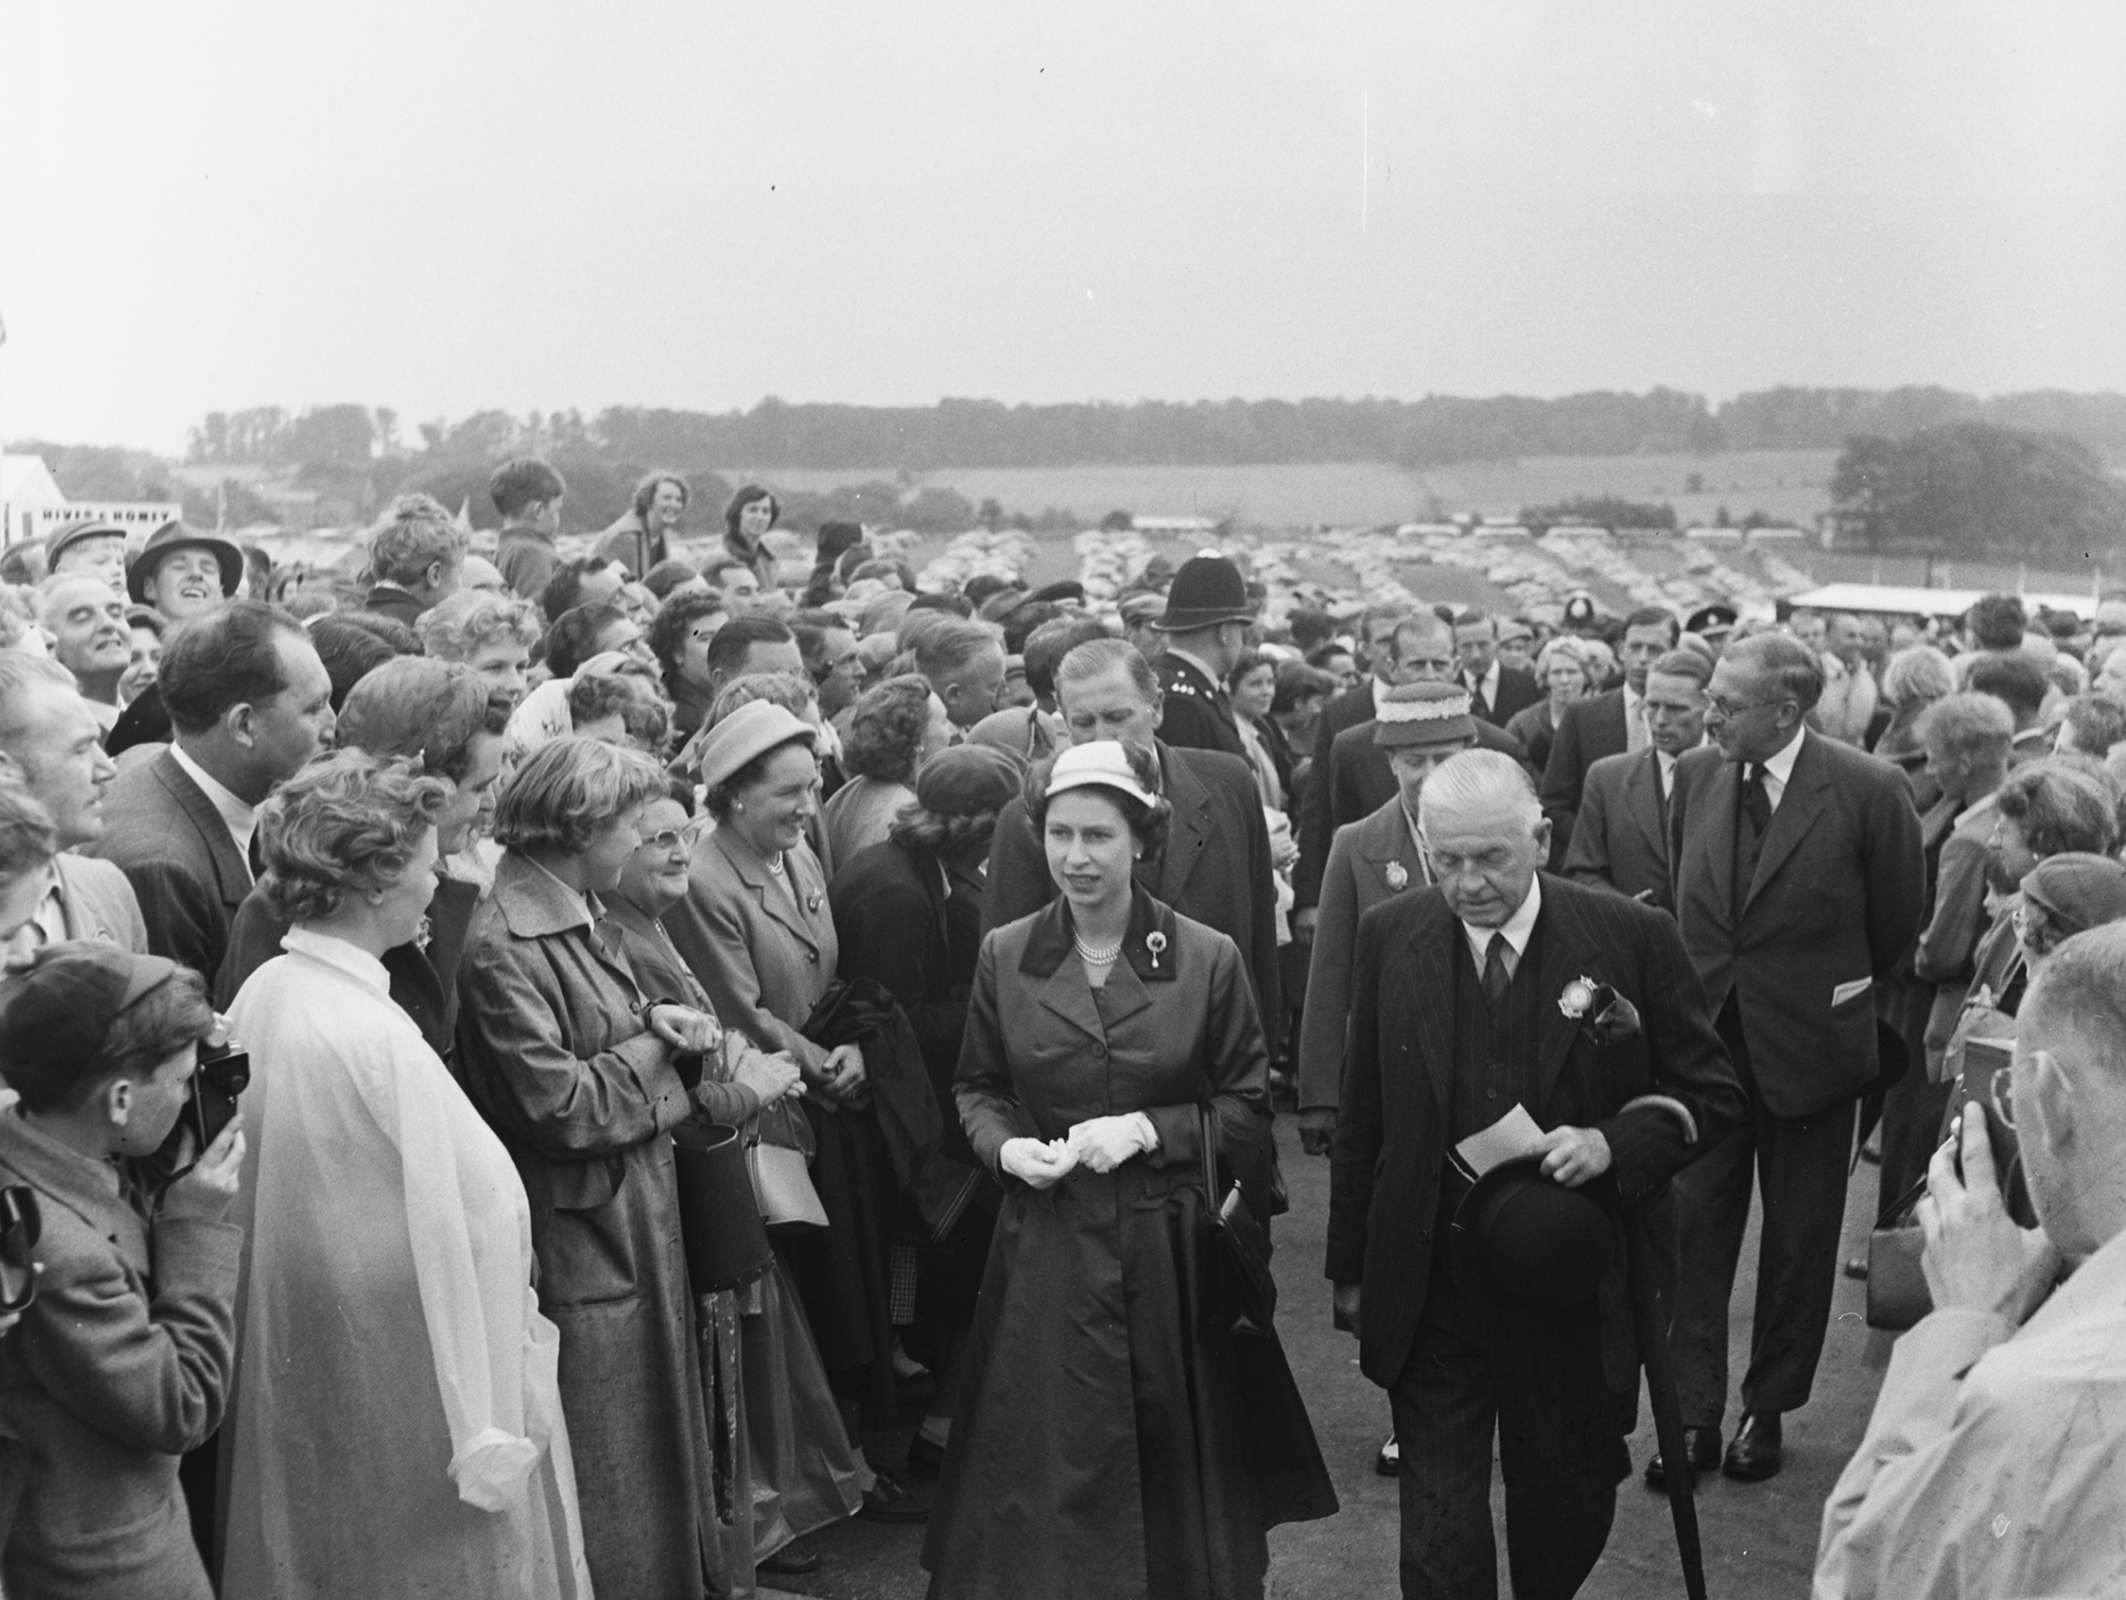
1434 431
1974 488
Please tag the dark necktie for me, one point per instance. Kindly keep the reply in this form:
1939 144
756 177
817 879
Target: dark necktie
1478 698
1756 804
1497 975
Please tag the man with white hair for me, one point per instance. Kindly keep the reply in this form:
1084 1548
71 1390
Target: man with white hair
1990 1466
86 622
1502 998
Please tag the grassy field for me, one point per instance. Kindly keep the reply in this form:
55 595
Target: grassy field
1789 485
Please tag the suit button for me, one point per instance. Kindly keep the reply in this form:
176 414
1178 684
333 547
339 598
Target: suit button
1491 1094
812 956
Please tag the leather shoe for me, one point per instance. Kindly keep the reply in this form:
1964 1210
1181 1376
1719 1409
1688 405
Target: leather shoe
1389 1463
925 1460
793 1560
887 1501
1701 1445
1757 1452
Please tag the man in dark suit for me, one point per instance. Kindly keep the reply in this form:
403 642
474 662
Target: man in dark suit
1799 884
1346 710
249 700
1496 690
1462 1010
1620 837
1607 724
1204 629
416 558
1216 864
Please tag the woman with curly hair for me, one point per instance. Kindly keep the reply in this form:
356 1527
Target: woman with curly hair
575 1067
894 729
400 1429
489 631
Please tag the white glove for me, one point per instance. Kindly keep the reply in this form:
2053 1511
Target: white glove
491 1470
1104 1143
1034 1162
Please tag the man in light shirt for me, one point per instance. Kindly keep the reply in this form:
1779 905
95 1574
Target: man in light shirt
249 702
1990 1466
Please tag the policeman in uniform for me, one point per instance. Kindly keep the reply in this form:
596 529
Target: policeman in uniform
1205 628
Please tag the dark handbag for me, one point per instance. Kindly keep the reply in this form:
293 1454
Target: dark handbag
1240 1296
1897 1286
719 1222
20 1224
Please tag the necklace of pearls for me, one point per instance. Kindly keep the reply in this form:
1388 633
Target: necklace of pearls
1097 955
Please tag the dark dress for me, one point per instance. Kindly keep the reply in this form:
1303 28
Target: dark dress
1107 1443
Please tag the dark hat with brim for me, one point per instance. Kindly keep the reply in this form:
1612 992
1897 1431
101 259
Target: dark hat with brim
56 1014
1710 619
1206 591
172 537
1521 1235
965 780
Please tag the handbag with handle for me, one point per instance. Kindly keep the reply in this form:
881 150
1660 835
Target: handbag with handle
1240 1295
1897 1286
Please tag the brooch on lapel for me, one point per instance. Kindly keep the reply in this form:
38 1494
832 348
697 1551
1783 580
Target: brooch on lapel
1613 1018
812 902
1155 943
1398 877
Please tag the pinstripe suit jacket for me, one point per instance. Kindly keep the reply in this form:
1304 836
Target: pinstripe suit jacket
1391 1132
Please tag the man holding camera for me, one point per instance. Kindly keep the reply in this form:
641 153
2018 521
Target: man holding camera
1990 1466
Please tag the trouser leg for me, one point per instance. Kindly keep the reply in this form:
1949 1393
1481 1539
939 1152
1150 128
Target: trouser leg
1802 1166
1561 1449
1712 1210
1445 1414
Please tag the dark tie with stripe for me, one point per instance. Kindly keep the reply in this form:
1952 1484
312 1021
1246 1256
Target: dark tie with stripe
1756 804
1497 974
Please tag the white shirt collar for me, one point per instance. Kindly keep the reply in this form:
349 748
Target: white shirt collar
1519 927
1487 681
1380 693
241 820
338 954
1779 766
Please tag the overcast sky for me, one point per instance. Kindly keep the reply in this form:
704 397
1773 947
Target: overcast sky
457 204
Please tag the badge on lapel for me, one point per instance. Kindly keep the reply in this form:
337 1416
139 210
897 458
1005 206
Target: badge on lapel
1606 1016
1398 876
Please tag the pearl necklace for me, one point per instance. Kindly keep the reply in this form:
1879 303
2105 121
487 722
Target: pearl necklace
1097 955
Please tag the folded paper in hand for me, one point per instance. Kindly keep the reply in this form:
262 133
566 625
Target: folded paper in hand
1852 990
1514 1137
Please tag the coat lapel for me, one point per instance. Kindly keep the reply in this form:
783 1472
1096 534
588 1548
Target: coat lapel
1385 846
1720 797
1566 951
1799 807
774 899
1432 994
1187 836
232 873
1643 799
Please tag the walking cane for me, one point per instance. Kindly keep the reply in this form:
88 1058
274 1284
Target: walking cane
1681 1475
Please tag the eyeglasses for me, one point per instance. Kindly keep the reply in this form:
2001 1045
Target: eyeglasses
668 841
1728 710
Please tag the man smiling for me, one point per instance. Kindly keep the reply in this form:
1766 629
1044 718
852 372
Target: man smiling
91 637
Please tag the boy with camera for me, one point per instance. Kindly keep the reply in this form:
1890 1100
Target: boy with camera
123 1360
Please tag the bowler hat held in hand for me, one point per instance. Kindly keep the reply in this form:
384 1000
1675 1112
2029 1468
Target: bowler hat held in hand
1530 1239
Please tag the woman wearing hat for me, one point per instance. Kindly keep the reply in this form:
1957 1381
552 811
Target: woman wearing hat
757 931
801 1474
1107 1442
400 1426
908 914
572 1064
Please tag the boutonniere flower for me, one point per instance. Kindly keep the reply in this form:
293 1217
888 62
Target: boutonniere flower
1398 875
1606 1015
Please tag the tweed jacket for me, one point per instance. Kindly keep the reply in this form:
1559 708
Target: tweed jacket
164 834
99 904
1835 905
1391 1132
121 1365
761 943
1371 861
1620 838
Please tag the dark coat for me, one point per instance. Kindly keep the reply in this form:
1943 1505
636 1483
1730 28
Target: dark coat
162 831
1391 1130
1196 713
1360 781
1620 838
1517 691
1215 867
554 1050
1370 861
1316 831
424 979
145 721
526 558
121 1365
1836 901
1533 726
389 600
1104 1443
893 920
1590 729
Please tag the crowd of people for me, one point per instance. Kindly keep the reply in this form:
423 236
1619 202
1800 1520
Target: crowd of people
394 969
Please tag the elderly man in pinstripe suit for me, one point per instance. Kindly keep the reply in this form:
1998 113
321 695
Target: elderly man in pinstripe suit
1471 997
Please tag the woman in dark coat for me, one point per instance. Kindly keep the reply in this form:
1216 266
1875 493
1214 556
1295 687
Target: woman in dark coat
1566 673
1107 1441
908 914
573 1066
